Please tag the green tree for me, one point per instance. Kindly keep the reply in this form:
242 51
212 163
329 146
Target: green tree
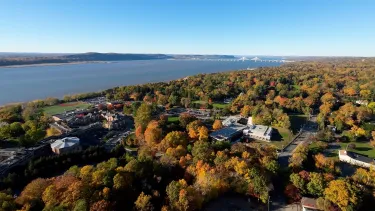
202 151
16 129
173 99
298 182
122 180
143 116
185 119
316 185
7 202
81 205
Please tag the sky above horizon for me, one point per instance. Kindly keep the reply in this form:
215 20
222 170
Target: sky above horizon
267 27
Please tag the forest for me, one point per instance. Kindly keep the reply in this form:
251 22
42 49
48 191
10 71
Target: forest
179 167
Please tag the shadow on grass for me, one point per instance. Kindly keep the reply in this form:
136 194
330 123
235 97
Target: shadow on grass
276 136
296 122
363 148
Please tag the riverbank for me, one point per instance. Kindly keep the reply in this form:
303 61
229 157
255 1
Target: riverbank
28 83
55 64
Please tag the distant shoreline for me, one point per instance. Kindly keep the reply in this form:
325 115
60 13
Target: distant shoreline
54 64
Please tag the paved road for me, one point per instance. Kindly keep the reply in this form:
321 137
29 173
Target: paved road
306 135
308 131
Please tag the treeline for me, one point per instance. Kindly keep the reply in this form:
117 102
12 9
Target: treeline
48 166
9 61
149 183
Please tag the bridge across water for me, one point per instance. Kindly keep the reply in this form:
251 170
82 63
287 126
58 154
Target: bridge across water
242 59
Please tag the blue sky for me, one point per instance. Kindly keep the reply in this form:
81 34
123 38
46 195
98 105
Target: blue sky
262 27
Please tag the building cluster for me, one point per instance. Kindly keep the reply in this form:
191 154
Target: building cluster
66 121
236 127
12 157
77 118
114 121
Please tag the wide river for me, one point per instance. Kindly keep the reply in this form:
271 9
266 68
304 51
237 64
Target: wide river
20 84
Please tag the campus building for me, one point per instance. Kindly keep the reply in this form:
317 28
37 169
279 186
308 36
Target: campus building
68 144
259 132
230 133
235 127
356 159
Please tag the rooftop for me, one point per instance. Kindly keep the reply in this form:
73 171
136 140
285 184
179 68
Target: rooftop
357 156
231 120
309 203
65 142
260 130
227 132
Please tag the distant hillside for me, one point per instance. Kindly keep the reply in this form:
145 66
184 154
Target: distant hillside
27 60
9 59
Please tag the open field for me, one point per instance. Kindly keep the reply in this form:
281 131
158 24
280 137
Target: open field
363 148
58 109
220 105
199 102
281 137
173 119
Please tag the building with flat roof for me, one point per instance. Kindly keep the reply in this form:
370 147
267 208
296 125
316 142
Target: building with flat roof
356 159
64 145
231 120
309 204
259 132
229 133
237 126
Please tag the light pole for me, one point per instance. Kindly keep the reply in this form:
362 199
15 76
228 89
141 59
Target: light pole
269 202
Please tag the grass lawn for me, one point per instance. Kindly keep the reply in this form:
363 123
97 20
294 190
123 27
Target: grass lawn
58 109
296 121
220 105
199 102
214 104
281 137
363 148
173 119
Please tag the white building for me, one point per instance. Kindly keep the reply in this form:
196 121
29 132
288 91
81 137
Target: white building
356 159
260 132
64 145
361 102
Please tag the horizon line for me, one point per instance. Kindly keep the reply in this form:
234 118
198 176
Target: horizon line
70 53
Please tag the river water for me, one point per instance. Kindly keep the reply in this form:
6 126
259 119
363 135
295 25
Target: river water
22 84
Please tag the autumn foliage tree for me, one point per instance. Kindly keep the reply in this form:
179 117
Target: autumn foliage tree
185 119
342 193
217 125
193 129
153 133
143 203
